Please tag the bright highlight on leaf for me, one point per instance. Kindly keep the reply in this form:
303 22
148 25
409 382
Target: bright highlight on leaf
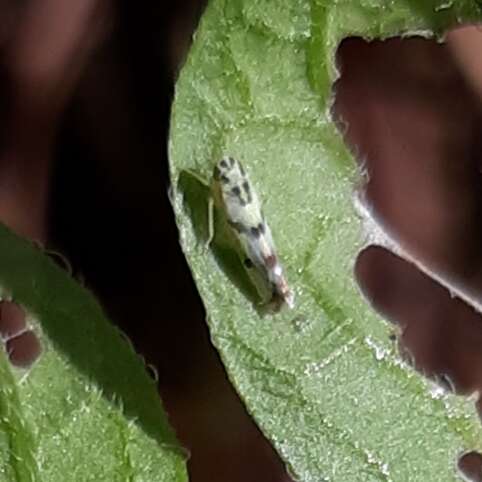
323 382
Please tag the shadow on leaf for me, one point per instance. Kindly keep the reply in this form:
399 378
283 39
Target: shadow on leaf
224 247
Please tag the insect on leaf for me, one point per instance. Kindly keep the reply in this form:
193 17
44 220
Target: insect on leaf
323 381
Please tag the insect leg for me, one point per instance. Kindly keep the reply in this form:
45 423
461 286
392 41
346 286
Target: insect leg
197 176
210 214
210 222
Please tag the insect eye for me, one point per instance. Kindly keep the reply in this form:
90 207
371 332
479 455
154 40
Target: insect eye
255 232
248 263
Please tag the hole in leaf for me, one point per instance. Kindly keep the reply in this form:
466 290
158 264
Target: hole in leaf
24 349
441 334
12 319
470 466
413 121
407 110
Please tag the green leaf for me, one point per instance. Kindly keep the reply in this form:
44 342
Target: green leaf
323 381
87 409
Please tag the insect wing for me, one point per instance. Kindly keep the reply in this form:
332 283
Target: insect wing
242 207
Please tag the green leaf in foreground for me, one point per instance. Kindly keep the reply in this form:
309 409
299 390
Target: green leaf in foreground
323 382
87 409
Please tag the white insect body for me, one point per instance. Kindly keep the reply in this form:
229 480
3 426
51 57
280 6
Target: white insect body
235 194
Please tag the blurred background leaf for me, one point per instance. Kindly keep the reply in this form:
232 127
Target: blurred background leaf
87 408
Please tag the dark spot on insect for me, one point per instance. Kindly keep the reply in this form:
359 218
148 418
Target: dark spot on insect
236 191
255 232
261 228
224 179
231 161
247 190
248 263
223 163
